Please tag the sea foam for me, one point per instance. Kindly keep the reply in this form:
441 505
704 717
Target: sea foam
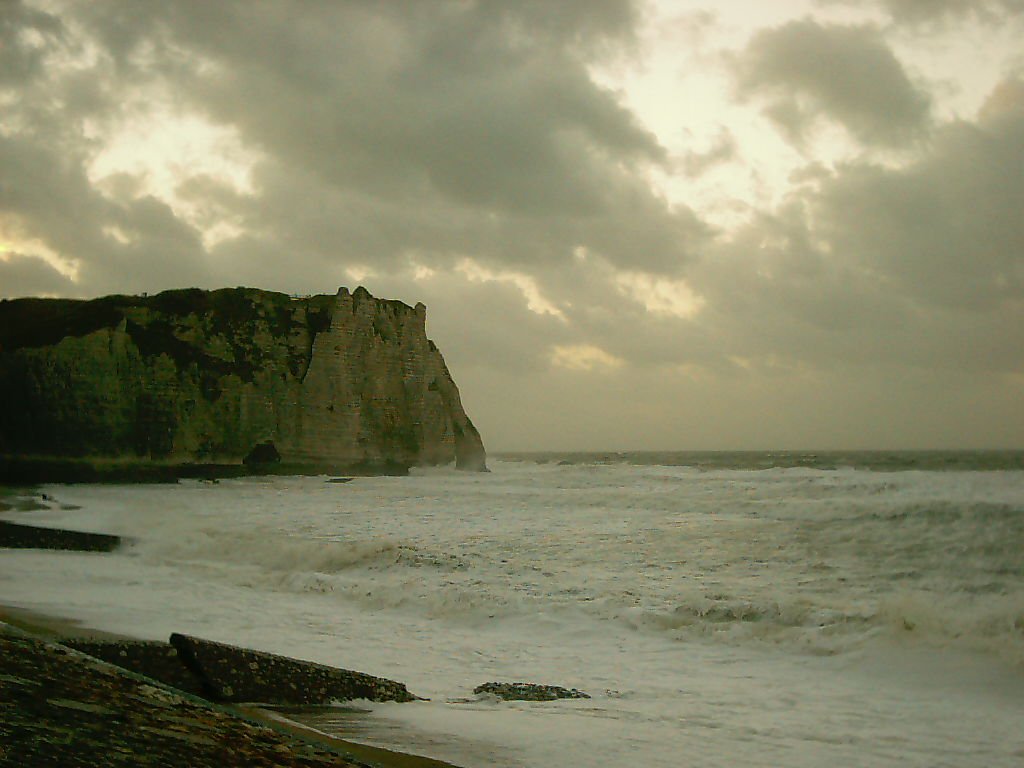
756 616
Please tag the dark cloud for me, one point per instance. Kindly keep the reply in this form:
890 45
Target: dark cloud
806 70
947 230
918 265
434 126
26 35
447 129
942 11
22 275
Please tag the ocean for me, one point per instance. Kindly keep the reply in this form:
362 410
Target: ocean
721 609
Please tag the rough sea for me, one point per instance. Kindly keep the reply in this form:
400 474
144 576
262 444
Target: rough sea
721 609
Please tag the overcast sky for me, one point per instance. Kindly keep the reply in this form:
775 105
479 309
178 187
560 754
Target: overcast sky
681 224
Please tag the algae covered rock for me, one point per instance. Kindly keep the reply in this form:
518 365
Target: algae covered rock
191 376
529 692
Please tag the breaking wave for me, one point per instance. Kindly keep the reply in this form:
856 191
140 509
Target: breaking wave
822 561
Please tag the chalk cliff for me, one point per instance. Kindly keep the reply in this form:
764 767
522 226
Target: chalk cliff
335 382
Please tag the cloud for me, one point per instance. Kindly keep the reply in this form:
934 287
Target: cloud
480 325
932 11
723 150
485 113
462 154
1005 103
57 105
917 265
46 197
25 36
163 143
535 302
583 357
660 296
946 230
806 70
23 275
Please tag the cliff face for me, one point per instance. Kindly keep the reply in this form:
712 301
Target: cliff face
194 376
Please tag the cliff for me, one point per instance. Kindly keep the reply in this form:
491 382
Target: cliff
332 382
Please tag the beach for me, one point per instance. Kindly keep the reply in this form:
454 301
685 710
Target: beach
854 610
65 707
62 707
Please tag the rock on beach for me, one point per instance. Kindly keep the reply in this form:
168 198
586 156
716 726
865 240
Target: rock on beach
529 692
62 707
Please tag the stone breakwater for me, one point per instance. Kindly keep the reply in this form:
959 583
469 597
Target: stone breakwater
239 674
327 383
215 671
61 707
227 673
18 536
151 658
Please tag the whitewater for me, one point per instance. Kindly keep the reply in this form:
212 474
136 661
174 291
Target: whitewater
719 614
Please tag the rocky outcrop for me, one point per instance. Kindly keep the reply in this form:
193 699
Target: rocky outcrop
323 382
529 692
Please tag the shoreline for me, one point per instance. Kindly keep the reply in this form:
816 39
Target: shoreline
32 470
50 629
50 625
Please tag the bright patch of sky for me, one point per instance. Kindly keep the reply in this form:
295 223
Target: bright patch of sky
161 150
14 243
660 295
531 292
679 86
584 357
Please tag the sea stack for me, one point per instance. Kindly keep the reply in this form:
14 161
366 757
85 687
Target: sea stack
330 382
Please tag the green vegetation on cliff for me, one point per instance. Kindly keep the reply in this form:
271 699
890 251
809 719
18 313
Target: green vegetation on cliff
196 376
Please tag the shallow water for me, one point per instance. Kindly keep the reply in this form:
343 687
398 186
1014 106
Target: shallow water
718 616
